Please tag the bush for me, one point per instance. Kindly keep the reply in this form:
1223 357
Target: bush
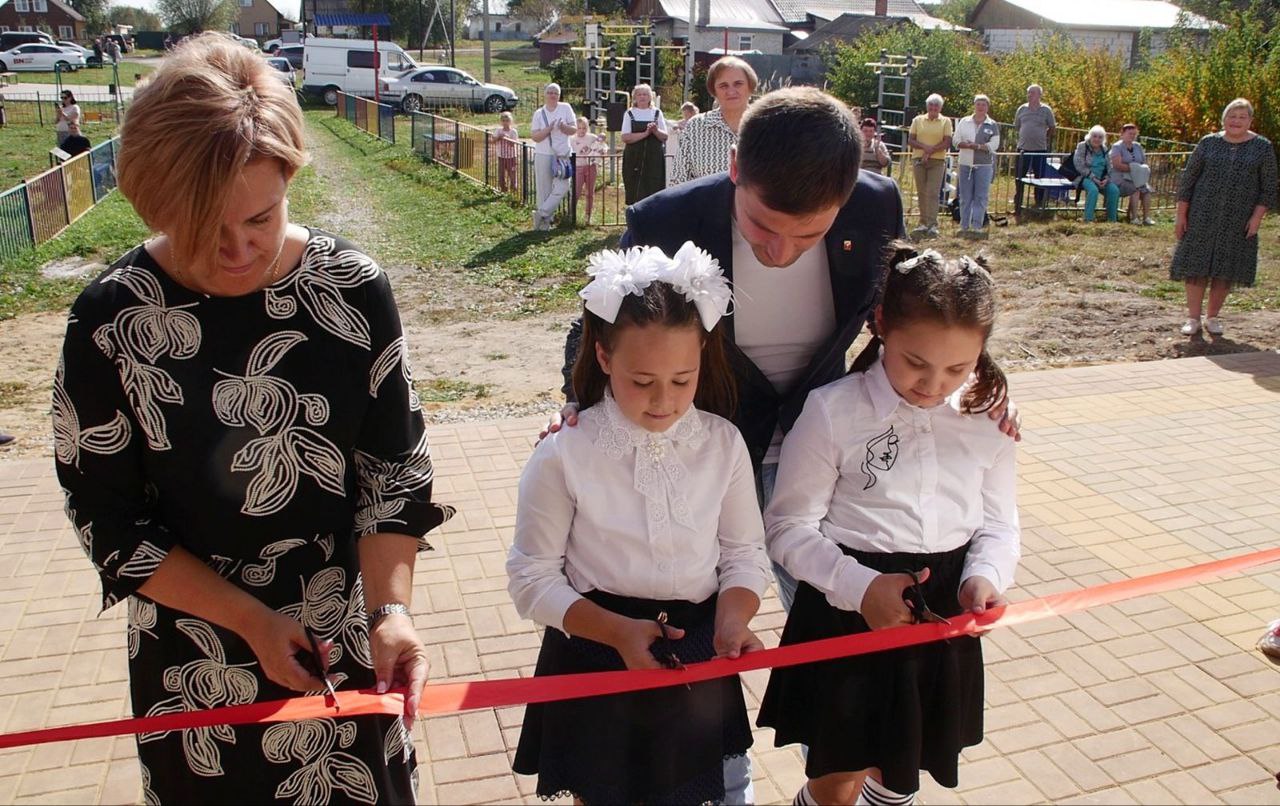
952 67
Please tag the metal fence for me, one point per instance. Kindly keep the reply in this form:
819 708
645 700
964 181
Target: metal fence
598 188
41 108
375 118
1166 168
41 208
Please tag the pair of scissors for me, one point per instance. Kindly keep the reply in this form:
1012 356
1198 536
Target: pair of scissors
667 656
914 597
314 665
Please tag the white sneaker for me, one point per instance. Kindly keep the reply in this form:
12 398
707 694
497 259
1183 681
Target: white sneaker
1214 325
1191 327
1148 222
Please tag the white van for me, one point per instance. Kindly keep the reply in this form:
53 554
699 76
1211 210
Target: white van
347 65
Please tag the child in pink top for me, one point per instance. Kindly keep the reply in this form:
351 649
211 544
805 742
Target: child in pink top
506 140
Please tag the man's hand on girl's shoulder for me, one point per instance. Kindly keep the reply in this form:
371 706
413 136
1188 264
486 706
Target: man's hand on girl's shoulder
1009 417
567 416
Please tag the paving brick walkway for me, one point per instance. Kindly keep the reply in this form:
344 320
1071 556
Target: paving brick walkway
1125 470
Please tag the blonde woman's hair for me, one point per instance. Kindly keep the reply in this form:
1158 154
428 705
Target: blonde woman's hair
211 109
1238 103
1101 132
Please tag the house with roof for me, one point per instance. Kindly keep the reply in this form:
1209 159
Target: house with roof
810 15
720 26
1116 26
54 17
502 23
260 18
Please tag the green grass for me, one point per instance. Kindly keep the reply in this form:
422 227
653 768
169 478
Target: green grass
448 390
438 222
98 77
103 234
525 77
24 149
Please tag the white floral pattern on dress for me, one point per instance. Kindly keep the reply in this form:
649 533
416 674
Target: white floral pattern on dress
137 338
283 450
659 472
141 621
318 284
203 684
314 743
397 352
262 574
385 487
69 439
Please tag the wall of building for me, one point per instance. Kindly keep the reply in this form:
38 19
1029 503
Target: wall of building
501 27
708 39
260 13
1006 40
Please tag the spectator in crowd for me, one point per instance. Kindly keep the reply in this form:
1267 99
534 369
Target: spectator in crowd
1128 165
1035 126
553 125
644 132
977 139
1226 189
506 142
76 143
113 50
706 138
930 139
168 42
68 113
589 148
875 156
233 391
1093 163
687 110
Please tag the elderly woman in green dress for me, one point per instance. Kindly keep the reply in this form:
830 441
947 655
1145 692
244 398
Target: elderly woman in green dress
1226 189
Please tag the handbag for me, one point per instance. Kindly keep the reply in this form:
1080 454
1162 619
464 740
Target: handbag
562 168
1139 174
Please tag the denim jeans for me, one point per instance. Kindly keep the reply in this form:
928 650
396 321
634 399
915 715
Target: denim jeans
975 187
764 491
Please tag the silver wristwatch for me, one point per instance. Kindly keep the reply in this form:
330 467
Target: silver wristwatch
378 613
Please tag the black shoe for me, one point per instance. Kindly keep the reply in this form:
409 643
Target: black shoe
5 439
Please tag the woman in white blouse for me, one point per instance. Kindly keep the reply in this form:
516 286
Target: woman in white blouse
887 474
644 132
638 542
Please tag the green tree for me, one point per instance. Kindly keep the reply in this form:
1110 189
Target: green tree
194 16
955 12
952 66
94 13
140 18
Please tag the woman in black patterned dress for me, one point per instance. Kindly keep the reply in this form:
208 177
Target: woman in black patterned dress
242 451
1226 189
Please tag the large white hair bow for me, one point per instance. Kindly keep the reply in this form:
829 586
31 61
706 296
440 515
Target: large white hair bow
692 272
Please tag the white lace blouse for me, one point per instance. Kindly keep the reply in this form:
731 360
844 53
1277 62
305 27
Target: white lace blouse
609 506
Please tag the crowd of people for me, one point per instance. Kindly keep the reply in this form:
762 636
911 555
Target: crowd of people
254 477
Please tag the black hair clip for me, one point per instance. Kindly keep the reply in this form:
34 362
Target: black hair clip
914 597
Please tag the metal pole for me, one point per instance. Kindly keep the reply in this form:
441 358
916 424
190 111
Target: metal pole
453 35
488 69
688 56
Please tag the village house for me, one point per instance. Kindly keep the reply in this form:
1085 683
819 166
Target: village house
1116 26
54 17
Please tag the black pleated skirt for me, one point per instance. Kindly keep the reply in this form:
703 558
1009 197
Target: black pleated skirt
665 745
904 710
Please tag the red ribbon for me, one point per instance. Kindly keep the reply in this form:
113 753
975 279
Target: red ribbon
444 698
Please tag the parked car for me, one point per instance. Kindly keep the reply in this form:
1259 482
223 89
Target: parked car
251 44
439 87
349 65
293 53
290 37
73 47
11 39
284 70
39 58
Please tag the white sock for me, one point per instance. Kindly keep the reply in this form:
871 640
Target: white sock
803 797
875 793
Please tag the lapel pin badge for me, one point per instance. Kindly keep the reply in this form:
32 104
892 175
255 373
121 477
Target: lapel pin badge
848 246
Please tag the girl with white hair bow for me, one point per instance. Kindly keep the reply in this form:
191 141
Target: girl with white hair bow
639 543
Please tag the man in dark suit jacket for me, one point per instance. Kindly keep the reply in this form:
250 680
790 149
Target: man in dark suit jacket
793 181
